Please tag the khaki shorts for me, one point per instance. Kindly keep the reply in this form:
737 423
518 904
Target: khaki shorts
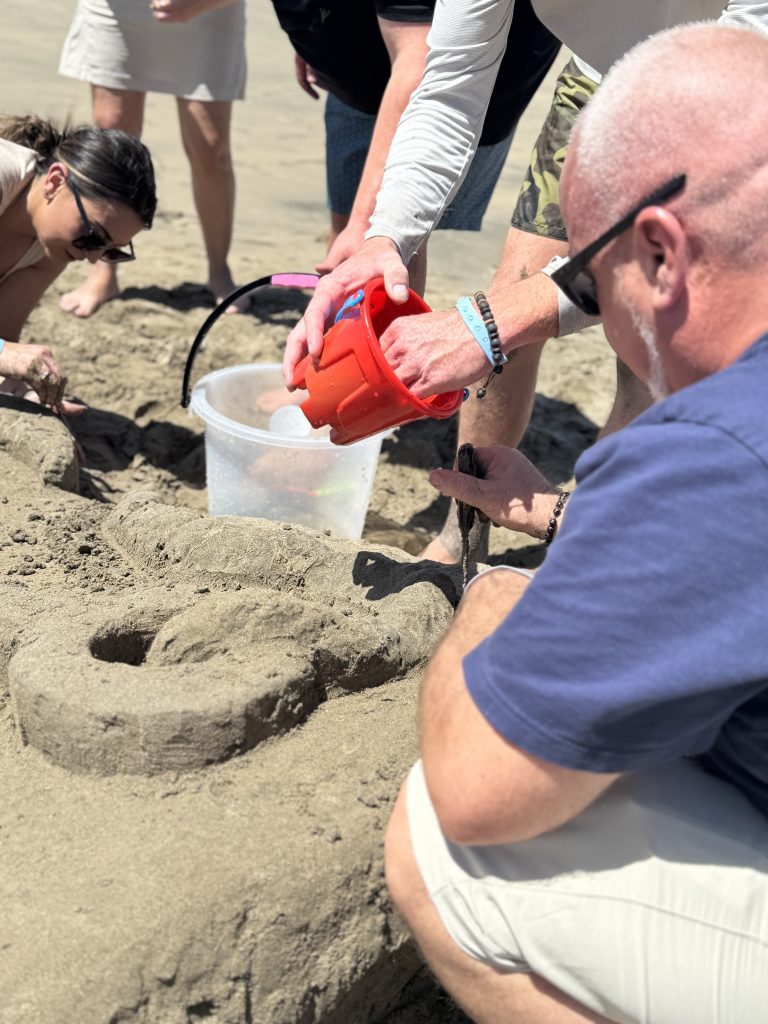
651 906
538 205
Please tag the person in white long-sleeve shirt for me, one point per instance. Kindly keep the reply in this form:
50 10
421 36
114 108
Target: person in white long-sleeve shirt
429 157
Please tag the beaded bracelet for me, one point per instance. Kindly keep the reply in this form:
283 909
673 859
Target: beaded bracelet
562 497
497 357
474 322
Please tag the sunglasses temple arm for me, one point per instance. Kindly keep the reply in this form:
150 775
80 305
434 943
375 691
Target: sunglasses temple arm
581 259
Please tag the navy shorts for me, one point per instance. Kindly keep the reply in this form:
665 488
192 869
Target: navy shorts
347 138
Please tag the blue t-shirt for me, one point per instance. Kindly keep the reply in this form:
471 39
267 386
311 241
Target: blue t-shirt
644 636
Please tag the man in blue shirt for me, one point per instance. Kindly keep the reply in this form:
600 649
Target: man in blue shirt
586 836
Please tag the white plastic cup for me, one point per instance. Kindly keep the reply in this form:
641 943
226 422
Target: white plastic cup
289 421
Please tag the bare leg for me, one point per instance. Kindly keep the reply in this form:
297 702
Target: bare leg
205 134
417 268
488 996
338 222
502 416
632 398
112 108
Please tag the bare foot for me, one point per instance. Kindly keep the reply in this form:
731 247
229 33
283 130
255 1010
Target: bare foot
221 286
446 547
90 295
436 551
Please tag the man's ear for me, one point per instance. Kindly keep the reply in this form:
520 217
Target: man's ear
662 249
55 178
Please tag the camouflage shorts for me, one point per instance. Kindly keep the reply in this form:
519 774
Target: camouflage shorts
538 205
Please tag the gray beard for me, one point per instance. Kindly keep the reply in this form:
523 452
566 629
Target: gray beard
657 381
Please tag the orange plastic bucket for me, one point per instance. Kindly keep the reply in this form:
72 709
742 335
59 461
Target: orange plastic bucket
354 389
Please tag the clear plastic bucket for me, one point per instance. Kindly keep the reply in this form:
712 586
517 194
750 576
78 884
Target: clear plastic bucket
255 471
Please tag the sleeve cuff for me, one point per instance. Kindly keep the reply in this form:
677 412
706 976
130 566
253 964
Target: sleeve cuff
569 317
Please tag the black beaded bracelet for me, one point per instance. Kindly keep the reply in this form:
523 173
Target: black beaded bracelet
493 334
490 325
562 497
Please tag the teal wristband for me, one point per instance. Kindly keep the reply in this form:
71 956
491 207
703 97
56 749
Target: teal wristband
2 344
474 322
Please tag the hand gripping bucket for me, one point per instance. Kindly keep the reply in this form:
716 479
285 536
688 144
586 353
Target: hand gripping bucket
354 389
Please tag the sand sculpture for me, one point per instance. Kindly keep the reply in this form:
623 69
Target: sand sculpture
39 440
194 854
162 689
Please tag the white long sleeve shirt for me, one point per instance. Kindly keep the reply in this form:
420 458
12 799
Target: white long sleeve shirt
439 130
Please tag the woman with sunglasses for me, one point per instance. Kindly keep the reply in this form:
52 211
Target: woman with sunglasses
67 195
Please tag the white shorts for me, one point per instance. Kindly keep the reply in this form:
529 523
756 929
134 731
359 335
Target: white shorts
119 44
651 906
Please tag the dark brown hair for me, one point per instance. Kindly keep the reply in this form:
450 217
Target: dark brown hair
108 164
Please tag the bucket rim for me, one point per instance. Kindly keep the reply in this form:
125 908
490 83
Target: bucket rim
202 408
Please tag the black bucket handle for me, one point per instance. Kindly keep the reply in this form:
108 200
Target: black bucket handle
289 279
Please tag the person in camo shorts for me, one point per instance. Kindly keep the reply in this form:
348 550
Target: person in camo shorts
538 205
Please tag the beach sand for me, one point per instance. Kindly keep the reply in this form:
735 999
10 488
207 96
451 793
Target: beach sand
149 875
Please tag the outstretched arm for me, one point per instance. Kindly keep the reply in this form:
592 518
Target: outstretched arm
406 44
431 152
440 129
435 352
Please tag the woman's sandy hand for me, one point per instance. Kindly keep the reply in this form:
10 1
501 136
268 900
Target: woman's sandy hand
36 367
512 492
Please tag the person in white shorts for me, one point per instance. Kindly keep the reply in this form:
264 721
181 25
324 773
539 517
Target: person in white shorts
585 838
193 50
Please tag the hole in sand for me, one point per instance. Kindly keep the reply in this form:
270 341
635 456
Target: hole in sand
127 645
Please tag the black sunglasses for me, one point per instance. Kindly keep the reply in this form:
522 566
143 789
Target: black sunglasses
93 239
573 279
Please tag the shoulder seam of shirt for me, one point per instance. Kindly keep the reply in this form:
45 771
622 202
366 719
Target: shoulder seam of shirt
721 430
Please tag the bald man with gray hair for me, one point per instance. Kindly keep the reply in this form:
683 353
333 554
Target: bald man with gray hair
585 837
